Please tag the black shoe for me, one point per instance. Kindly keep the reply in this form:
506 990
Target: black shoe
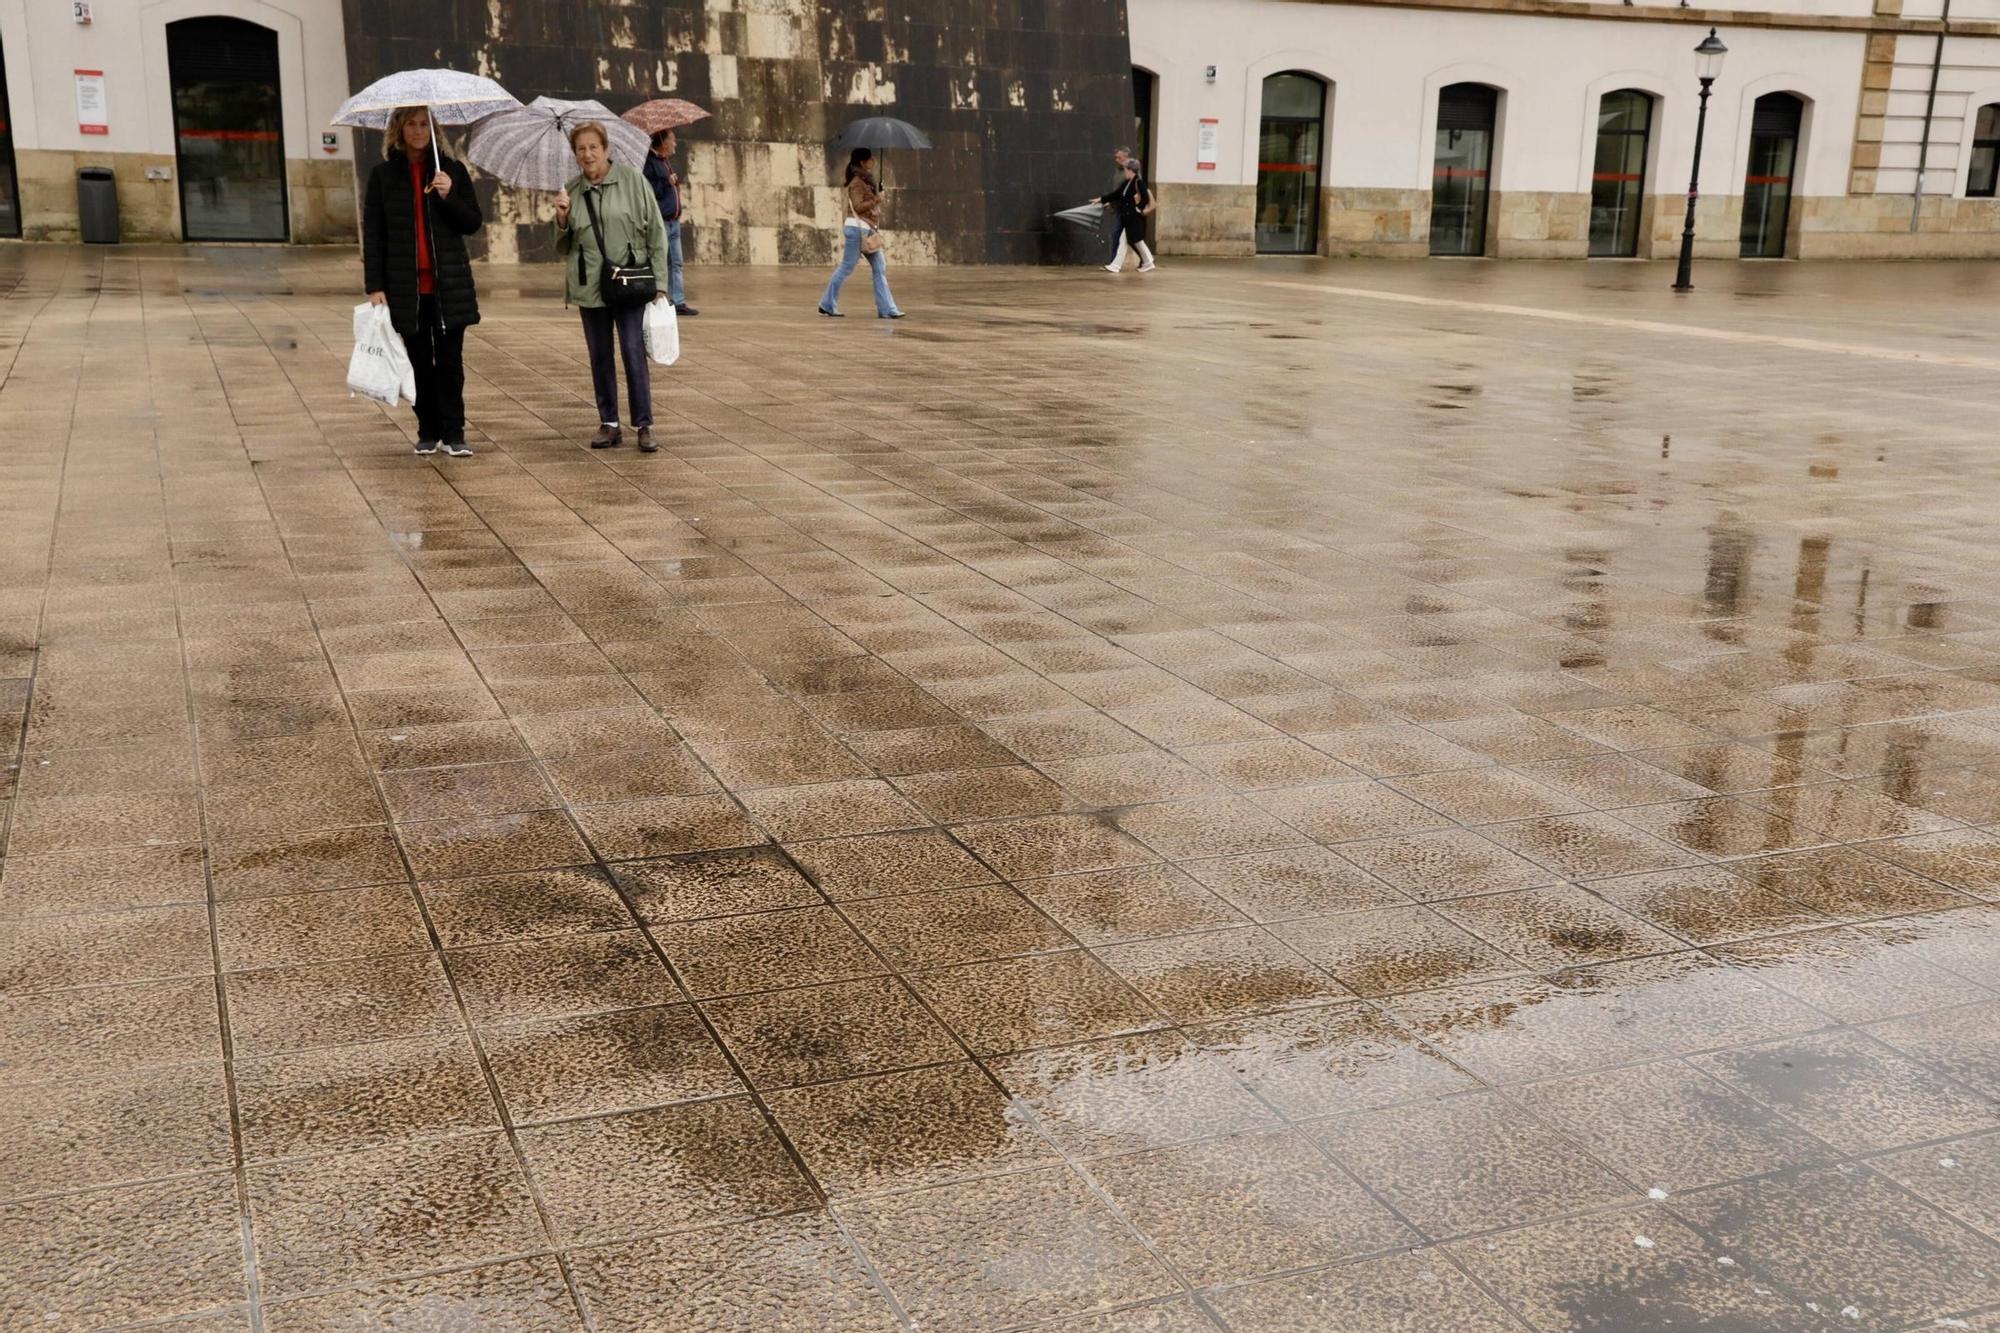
831 314
893 314
458 448
685 310
426 445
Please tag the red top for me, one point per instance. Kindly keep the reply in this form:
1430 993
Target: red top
426 276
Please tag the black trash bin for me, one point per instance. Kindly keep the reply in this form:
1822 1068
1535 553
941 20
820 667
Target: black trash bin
97 205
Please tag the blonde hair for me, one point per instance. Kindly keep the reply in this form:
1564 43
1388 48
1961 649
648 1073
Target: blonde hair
392 137
589 127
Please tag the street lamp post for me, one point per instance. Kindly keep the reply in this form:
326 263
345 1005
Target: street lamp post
1708 64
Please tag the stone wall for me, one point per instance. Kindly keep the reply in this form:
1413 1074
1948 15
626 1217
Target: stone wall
1023 98
321 196
1390 224
1206 219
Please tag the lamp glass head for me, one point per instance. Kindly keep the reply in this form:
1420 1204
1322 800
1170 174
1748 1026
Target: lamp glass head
1708 57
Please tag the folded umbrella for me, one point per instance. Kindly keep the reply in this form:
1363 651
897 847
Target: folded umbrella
452 97
664 113
1090 215
529 146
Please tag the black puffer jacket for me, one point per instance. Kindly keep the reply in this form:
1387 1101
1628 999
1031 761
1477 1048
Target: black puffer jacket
389 243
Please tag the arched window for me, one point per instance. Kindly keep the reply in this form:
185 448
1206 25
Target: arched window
1767 185
1288 149
1618 174
228 130
1985 173
1460 177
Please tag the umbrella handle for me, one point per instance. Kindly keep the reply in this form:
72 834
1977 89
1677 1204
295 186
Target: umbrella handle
437 163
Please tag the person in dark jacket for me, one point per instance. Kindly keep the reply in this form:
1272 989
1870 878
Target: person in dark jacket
1133 202
667 181
417 213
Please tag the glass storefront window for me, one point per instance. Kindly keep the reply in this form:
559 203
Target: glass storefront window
1618 175
1767 185
1288 151
1460 184
228 130
10 192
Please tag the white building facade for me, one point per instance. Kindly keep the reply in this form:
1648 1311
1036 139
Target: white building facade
1566 128
210 114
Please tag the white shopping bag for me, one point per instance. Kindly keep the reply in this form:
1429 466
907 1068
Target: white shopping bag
380 367
663 333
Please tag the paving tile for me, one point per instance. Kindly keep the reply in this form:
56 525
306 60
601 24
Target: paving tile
1309 1063
710 884
154 1250
72 1133
1398 949
901 1131
1856 1094
1003 1251
447 849
921 930
732 955
632 830
321 927
526 1294
387 1212
560 976
55 1033
146 944
1466 1164
816 1033
879 864
1121 1094
340 1098
489 909
1017 1003
1629 1268
61 883
1226 1210
275 1010
1846 1237
665 1169
335 859
1221 974
775 1272
1144 902
1401 1294
1957 1177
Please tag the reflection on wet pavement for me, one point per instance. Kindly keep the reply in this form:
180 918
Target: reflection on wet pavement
1363 797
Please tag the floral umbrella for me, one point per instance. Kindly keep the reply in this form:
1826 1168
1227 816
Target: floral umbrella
664 113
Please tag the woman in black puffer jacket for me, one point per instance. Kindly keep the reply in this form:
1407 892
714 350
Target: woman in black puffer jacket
414 224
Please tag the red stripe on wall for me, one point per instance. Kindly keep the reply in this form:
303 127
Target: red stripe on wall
233 136
1297 167
1614 176
1767 180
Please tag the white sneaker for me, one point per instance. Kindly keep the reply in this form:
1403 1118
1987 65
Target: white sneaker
1147 268
1111 268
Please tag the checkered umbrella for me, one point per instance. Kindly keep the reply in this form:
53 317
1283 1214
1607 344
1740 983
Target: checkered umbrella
529 146
664 113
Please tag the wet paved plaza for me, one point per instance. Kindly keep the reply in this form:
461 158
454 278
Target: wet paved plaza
1270 797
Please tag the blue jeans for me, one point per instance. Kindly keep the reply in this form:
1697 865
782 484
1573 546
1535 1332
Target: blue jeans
675 292
885 304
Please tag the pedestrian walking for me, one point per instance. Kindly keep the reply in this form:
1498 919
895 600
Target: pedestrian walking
417 212
608 218
1132 203
666 180
863 233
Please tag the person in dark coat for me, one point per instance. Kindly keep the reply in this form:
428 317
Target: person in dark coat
416 215
667 182
1133 202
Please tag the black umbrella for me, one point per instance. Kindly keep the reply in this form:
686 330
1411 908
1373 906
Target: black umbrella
881 132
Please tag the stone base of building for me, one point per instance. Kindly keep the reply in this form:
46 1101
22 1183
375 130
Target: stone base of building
1359 223
322 204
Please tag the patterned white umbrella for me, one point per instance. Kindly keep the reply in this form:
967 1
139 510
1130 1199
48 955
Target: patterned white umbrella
529 146
454 98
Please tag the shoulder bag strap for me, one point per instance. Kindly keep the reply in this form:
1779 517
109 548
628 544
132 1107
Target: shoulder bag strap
596 230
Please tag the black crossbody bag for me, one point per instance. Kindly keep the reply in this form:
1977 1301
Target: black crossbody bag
623 286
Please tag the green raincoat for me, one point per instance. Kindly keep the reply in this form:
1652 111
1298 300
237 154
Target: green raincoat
632 226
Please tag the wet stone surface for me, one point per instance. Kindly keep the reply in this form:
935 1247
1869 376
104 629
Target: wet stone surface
1373 797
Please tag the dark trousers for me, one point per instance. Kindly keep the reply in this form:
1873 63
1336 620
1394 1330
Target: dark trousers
437 354
601 327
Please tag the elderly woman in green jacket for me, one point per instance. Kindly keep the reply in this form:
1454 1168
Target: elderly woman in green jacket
609 210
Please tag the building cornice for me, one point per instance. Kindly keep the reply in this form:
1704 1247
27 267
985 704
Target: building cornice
1694 17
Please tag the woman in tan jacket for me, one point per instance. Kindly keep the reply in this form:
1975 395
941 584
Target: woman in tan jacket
864 237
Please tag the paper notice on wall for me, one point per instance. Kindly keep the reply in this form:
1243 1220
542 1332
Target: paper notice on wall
1207 144
91 117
